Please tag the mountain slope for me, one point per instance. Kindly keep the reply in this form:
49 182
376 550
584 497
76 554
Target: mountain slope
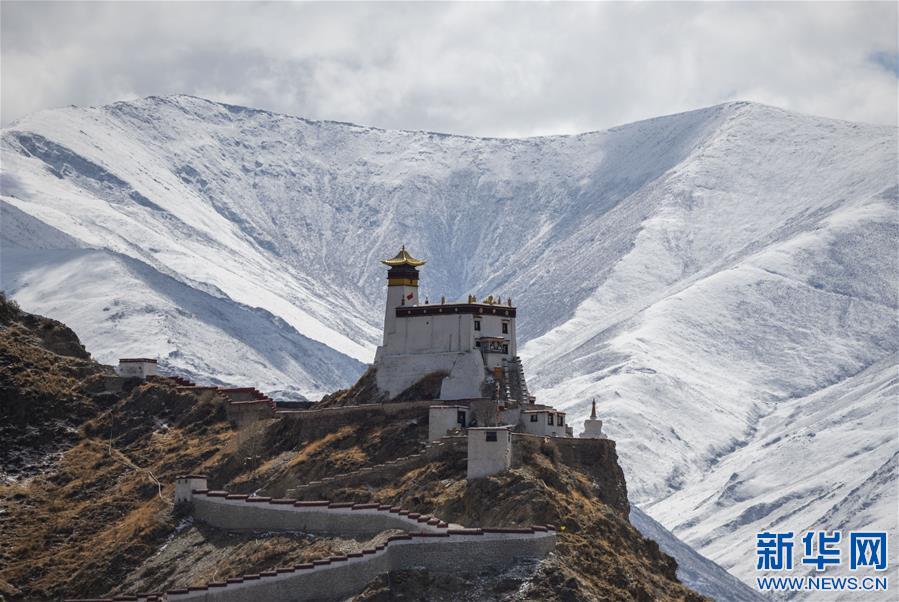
698 572
130 308
697 273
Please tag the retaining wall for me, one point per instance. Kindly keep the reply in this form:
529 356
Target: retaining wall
429 543
303 425
244 413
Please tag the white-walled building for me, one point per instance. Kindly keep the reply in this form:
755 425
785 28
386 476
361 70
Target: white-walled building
186 485
489 450
473 347
136 367
445 418
544 420
473 342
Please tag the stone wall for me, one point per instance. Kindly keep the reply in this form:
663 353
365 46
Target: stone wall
396 373
316 423
428 543
336 578
245 413
237 512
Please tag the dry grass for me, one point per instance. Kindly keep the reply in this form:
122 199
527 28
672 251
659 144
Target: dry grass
94 524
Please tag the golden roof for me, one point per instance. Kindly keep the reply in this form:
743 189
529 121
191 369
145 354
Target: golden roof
403 258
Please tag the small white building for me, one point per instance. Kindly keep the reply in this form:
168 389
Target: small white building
186 485
489 450
445 418
543 420
136 367
592 426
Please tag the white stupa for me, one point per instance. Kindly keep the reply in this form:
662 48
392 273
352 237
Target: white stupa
592 426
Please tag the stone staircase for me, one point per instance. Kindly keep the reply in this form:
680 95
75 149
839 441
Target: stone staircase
516 386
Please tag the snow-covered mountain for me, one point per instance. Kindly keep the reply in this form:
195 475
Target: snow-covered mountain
723 281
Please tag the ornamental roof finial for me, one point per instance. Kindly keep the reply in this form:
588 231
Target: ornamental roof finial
593 413
403 258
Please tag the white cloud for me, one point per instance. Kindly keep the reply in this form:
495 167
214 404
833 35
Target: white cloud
481 69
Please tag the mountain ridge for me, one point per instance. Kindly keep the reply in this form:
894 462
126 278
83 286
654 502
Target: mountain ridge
693 272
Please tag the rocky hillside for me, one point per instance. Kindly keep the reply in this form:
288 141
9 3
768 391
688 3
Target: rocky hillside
89 462
86 468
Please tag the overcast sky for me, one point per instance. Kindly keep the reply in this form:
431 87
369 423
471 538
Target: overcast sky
483 69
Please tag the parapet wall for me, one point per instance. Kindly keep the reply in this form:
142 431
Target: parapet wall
248 412
429 543
236 512
339 577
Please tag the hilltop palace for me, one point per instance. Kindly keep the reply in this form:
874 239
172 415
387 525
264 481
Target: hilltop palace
472 346
454 364
468 350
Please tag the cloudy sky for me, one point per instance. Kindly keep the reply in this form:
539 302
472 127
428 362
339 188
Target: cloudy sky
475 68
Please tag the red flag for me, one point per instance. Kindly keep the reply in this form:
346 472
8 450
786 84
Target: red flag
409 296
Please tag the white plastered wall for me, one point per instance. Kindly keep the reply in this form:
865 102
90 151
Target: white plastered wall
136 369
489 457
444 418
541 426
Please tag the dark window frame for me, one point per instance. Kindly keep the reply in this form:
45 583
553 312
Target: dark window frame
549 419
533 417
490 436
477 325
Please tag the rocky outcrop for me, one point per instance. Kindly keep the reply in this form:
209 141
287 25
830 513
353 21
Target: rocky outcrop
51 335
366 391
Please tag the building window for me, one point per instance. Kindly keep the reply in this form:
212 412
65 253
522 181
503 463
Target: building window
561 420
533 417
505 328
506 349
491 435
460 417
549 419
477 324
